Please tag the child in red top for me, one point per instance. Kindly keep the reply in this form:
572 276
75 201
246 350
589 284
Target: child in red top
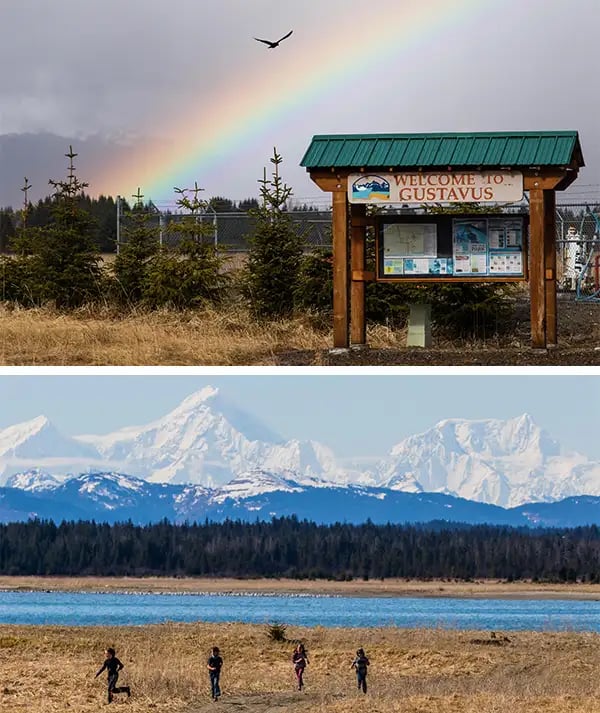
300 661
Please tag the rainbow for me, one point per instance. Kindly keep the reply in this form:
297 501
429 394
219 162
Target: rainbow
220 125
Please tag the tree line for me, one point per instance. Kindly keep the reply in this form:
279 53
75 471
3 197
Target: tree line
103 211
288 547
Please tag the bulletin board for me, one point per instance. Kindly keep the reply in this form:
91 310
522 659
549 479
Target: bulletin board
450 247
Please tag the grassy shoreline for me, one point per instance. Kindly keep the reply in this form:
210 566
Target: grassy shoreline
51 668
477 589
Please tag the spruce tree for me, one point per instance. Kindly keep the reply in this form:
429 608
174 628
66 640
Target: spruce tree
60 262
314 290
191 273
141 244
12 275
220 204
274 257
7 228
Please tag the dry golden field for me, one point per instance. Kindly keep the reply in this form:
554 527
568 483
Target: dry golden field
356 588
210 337
45 669
230 337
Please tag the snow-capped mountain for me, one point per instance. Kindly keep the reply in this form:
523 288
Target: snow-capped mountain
255 483
33 481
506 463
208 443
38 438
38 444
116 497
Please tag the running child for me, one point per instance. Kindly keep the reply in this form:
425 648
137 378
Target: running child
300 661
113 666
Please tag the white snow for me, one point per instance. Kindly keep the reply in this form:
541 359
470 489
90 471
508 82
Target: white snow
505 463
33 481
197 443
254 483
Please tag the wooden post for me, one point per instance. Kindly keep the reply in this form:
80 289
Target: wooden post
537 277
358 325
550 267
340 269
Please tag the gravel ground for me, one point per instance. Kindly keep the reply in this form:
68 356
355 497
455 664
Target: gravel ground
578 345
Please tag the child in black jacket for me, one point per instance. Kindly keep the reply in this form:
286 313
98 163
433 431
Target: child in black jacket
113 666
361 663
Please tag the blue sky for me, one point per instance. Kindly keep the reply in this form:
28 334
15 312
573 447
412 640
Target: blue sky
355 414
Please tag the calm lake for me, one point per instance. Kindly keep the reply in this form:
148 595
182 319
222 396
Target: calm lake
89 609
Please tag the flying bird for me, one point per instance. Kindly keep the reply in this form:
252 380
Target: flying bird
272 45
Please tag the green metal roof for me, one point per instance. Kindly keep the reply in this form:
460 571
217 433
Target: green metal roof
485 150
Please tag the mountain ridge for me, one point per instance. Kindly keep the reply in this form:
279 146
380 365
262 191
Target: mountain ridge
208 441
116 497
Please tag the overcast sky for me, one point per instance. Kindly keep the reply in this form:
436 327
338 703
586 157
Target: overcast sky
356 415
176 74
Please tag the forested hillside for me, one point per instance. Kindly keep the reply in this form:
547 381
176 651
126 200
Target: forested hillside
287 547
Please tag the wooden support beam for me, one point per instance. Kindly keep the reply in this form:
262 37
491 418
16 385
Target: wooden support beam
569 177
361 221
550 267
546 182
330 182
537 276
363 275
340 270
358 324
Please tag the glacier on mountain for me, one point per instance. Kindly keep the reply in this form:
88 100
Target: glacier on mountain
505 463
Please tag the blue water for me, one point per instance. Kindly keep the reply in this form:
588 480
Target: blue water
89 609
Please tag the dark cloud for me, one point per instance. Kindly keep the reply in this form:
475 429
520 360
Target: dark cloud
92 71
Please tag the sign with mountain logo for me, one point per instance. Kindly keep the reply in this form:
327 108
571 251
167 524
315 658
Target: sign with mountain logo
436 187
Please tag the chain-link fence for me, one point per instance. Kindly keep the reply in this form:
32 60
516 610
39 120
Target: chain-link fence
230 231
578 250
577 238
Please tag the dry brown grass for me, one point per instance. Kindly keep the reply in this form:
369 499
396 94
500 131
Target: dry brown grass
230 337
414 671
476 589
209 337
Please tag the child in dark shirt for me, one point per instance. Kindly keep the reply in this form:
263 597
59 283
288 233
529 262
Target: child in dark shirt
113 666
360 663
300 660
215 663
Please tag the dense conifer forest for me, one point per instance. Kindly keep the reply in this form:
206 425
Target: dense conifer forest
287 547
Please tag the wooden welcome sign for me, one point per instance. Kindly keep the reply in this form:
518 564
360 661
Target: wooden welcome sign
434 169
